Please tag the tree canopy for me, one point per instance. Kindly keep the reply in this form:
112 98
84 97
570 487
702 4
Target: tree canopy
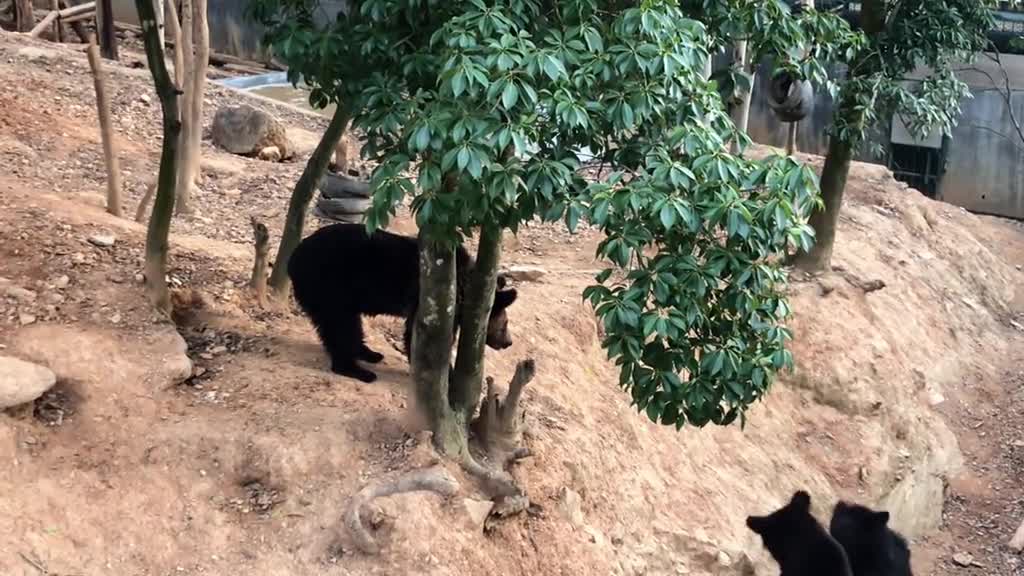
493 114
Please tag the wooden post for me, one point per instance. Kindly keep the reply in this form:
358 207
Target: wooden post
105 29
24 18
58 29
106 131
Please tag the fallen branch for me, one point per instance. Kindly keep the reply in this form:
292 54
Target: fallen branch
261 243
43 24
77 9
80 17
435 479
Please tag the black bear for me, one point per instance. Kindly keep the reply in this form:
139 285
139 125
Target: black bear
798 542
874 549
339 273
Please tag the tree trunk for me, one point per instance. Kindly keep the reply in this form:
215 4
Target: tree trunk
24 15
200 62
477 299
179 57
78 27
106 132
160 13
303 194
105 30
741 112
163 206
431 346
840 154
183 191
58 29
824 222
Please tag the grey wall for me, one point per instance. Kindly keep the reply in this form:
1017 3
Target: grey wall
985 165
230 31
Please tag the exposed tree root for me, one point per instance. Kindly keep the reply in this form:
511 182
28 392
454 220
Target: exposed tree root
498 432
435 479
498 429
261 243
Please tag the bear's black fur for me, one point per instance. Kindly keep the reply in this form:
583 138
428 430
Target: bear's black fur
798 542
874 549
339 273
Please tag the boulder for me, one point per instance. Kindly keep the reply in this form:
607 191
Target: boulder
248 131
22 382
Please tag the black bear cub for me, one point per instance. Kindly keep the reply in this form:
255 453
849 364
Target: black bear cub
340 273
874 549
798 542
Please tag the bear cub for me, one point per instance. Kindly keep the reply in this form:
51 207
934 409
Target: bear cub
873 548
340 273
798 542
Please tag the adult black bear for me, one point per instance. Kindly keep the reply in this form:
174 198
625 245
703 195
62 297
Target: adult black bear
798 542
874 549
339 273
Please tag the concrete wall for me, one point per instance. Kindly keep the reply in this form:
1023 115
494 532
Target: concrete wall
985 165
231 32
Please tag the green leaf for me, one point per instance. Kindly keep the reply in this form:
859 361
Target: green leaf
668 216
510 95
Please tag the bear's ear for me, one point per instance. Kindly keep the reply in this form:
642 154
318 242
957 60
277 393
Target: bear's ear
504 298
759 524
801 501
881 518
502 282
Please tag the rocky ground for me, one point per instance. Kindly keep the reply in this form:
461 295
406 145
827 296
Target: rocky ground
223 445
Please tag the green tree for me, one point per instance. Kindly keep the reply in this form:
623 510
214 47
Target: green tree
899 37
488 115
163 206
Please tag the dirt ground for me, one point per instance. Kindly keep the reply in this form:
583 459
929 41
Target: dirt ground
230 448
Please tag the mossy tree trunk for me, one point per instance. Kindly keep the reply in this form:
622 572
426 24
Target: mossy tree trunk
431 346
478 298
163 205
840 154
302 195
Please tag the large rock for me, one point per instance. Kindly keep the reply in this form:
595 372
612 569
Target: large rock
246 130
22 382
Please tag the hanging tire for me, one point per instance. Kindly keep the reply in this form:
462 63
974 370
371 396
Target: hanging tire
791 99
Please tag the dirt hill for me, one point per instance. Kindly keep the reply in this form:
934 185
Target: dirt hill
230 448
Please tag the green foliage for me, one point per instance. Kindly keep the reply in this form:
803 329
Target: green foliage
919 33
802 42
578 112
